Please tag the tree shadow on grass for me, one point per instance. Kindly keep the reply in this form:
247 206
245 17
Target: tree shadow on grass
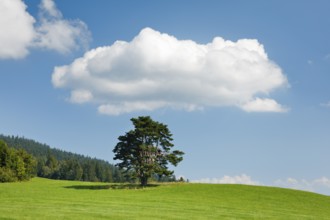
111 186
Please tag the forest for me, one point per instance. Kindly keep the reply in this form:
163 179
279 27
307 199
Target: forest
53 163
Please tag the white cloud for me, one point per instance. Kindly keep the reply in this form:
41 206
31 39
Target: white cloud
126 107
242 179
156 70
19 31
16 29
323 181
49 7
320 185
56 33
263 105
80 96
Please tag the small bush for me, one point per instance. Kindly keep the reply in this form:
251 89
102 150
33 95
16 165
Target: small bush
7 175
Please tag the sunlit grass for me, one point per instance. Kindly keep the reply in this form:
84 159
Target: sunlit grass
50 199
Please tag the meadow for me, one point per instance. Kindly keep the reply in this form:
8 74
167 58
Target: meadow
53 199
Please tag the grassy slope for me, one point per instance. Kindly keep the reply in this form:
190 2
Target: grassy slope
49 199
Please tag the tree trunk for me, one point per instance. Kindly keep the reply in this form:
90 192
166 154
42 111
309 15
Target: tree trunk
144 181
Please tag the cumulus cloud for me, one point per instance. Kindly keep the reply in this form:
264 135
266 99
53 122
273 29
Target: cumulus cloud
16 29
80 96
263 105
48 7
20 31
320 185
241 179
56 33
156 70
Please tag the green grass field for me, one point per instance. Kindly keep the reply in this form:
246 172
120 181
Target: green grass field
50 199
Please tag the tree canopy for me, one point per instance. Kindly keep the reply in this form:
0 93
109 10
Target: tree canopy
15 165
146 150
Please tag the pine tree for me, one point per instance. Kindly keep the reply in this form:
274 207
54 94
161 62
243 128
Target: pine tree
146 150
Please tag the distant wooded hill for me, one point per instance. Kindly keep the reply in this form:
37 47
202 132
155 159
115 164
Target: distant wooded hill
58 164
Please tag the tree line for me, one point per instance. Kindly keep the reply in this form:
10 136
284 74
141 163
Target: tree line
53 163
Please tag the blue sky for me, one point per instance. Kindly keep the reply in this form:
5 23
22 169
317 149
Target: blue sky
251 107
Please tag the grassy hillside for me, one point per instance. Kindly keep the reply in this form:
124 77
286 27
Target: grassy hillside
51 199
